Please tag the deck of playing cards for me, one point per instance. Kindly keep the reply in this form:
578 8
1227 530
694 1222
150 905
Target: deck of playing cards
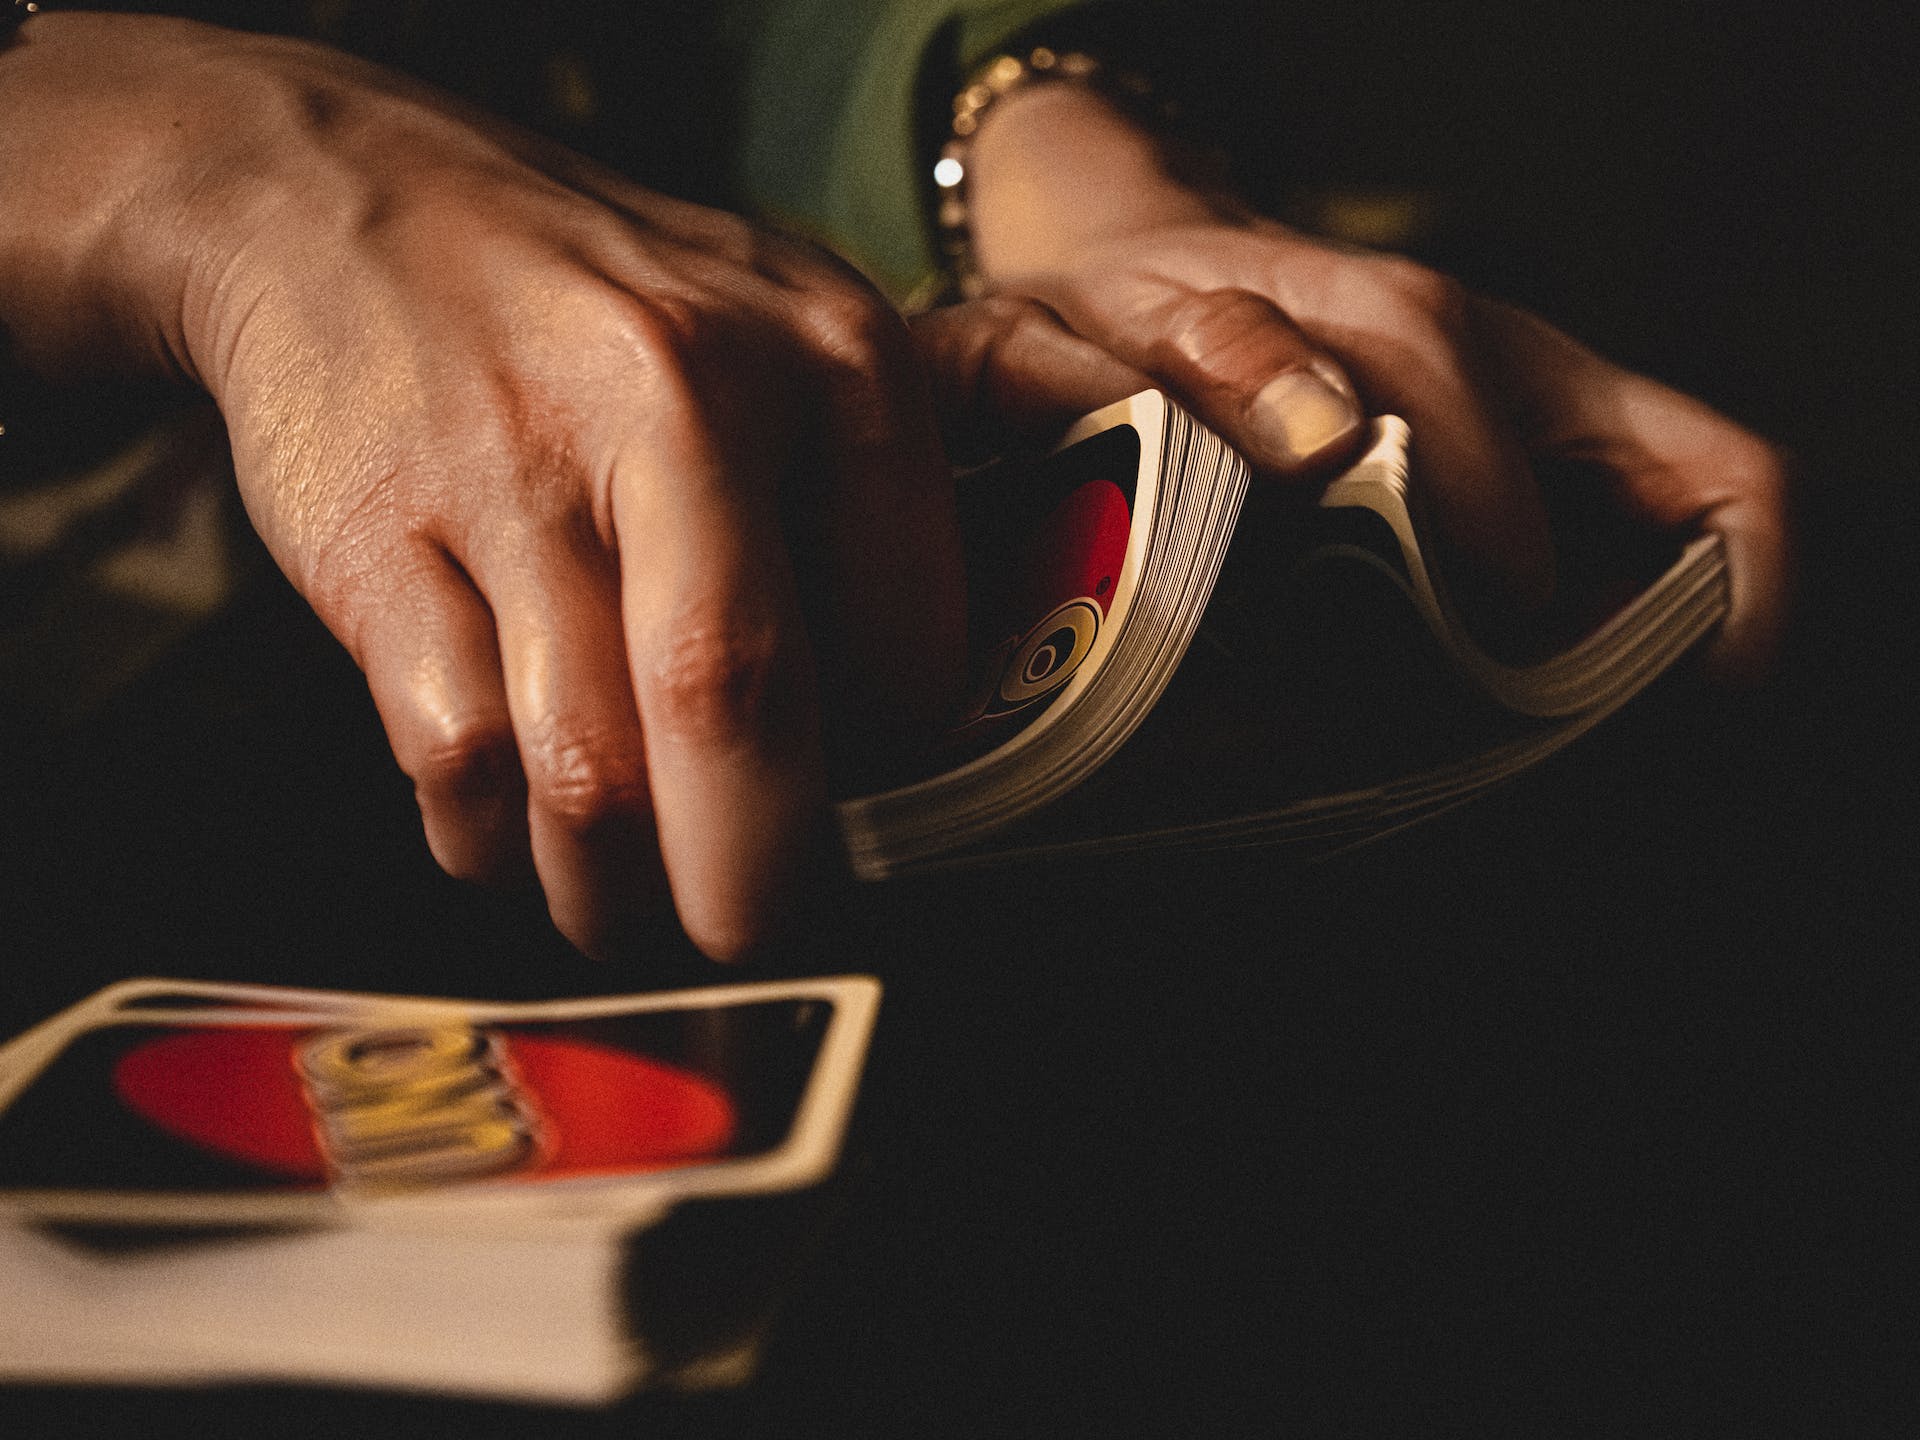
203 1183
1327 690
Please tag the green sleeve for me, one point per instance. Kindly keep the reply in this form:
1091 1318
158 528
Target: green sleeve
829 96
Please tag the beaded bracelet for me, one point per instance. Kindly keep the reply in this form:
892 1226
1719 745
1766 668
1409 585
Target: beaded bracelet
14 15
993 82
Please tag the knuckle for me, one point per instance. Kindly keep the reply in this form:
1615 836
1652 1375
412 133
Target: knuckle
586 780
1200 325
1017 317
713 682
854 329
999 326
661 333
1414 290
466 755
1013 323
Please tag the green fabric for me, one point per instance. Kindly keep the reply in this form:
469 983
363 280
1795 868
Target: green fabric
828 104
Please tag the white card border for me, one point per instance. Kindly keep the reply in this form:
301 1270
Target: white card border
804 1157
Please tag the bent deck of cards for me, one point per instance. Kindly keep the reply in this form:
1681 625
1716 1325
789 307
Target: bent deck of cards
216 1183
1151 671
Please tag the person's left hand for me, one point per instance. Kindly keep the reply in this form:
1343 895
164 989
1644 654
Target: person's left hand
1107 274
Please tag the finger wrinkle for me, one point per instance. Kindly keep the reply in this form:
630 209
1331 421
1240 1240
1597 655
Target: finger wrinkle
721 683
585 779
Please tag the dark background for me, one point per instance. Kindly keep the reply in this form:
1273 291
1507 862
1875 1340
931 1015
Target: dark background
1581 1110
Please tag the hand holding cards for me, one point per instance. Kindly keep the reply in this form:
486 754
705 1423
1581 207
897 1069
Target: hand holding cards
1337 695
250 1182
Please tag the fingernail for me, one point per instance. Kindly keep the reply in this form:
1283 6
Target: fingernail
1301 412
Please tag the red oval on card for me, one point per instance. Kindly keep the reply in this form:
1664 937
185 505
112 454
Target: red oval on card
236 1092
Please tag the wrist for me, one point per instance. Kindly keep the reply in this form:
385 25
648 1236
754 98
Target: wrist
1057 168
136 147
87 277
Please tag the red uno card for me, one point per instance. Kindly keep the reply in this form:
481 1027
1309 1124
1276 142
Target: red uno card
166 1102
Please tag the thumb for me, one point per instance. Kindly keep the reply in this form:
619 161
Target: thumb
1245 368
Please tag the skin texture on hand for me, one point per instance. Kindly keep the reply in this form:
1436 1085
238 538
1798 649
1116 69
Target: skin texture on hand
1281 342
566 465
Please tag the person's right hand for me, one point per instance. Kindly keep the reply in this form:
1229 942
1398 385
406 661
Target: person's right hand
534 442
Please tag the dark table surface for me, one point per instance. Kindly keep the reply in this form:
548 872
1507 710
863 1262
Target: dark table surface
1579 1110
1572 1104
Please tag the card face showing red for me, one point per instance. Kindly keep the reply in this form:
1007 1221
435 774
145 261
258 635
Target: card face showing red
209 1100
1047 544
416 1104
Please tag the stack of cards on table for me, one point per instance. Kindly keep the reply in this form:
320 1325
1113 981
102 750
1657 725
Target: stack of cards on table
208 1183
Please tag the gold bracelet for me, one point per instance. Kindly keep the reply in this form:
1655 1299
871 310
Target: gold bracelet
13 16
1000 77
